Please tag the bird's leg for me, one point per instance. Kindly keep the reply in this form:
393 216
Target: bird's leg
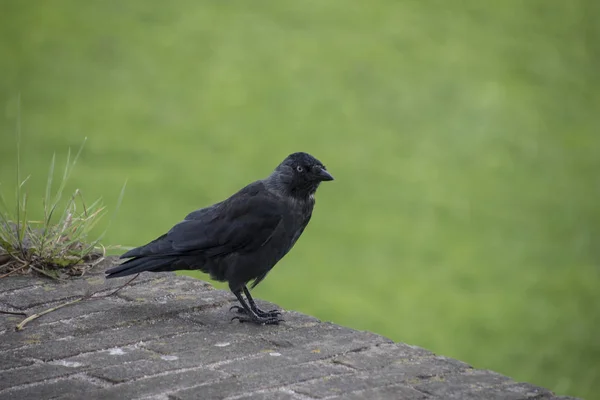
254 307
253 316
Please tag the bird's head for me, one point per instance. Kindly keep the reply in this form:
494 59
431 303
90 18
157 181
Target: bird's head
300 174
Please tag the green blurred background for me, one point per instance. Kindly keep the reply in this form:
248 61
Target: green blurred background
463 137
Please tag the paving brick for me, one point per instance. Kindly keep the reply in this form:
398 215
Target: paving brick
33 373
385 392
279 394
142 388
381 356
108 357
253 381
15 283
54 389
128 371
9 361
337 385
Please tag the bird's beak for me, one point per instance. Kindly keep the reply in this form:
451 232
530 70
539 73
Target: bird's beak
324 175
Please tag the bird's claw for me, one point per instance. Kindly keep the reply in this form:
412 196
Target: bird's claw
260 313
259 320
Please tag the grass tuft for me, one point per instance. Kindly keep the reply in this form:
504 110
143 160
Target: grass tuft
59 244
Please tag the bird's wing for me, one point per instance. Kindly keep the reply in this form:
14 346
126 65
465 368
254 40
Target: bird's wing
243 223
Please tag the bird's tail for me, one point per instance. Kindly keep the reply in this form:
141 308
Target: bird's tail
141 264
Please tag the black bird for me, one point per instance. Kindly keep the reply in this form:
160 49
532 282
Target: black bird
241 238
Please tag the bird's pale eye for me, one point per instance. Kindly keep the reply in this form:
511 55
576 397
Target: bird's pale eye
299 168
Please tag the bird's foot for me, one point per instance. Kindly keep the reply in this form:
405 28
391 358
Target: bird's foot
258 311
256 319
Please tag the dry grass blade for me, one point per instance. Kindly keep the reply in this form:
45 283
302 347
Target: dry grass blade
22 324
14 271
12 312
